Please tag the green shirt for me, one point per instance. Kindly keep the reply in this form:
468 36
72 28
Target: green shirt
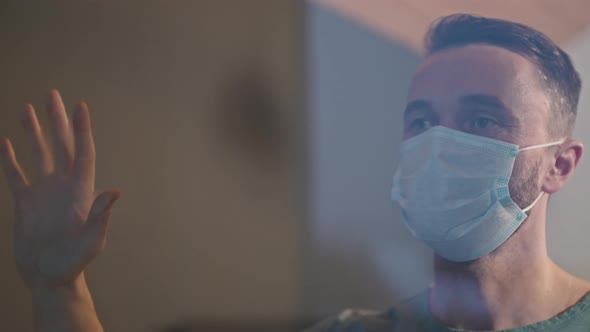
414 315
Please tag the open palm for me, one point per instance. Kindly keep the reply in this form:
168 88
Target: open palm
61 223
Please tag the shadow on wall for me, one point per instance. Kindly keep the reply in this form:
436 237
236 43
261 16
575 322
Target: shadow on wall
248 115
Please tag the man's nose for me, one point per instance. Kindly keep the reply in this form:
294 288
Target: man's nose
449 122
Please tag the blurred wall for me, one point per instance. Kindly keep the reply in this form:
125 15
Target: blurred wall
568 225
360 253
198 118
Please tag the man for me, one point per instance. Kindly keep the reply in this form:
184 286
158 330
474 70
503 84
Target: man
486 140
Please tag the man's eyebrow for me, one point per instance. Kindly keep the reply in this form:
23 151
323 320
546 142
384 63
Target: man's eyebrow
417 105
483 99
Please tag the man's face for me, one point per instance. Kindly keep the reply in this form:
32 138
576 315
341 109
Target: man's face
487 91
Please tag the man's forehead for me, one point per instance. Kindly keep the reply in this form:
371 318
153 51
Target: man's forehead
484 56
475 69
488 101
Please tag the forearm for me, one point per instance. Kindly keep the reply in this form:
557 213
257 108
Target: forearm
65 309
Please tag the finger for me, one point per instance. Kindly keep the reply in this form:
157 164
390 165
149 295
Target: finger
62 134
41 156
85 154
14 175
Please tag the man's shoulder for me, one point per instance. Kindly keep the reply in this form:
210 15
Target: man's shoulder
403 316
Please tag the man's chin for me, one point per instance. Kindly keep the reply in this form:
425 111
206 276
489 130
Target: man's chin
445 264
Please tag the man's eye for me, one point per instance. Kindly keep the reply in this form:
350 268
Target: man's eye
482 123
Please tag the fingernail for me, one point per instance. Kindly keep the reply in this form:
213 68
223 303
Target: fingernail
113 199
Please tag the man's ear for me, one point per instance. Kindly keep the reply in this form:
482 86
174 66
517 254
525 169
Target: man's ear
564 164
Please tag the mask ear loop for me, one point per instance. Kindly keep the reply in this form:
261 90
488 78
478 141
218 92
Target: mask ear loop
542 145
528 208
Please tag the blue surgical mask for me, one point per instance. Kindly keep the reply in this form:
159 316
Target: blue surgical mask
452 188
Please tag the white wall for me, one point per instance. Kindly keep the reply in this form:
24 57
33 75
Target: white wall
568 221
361 253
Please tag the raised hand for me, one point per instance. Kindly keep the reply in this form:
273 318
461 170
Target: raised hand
61 224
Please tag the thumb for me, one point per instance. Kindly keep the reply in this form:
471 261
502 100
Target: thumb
103 202
100 212
94 232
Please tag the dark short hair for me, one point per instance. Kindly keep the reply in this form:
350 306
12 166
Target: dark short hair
556 70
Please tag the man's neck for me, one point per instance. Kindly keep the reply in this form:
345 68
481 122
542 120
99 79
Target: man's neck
516 285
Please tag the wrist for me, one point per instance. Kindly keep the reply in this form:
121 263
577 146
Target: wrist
74 289
72 296
67 307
